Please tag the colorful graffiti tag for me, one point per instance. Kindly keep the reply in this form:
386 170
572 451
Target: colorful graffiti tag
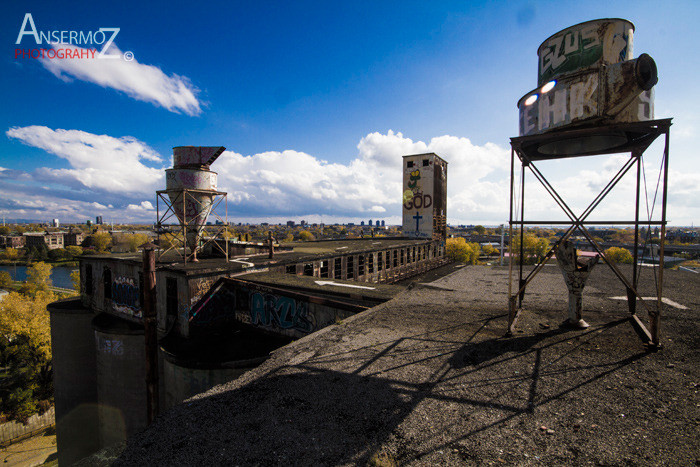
268 309
253 304
125 296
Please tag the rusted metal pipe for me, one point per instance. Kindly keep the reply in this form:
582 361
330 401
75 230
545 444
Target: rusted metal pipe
150 330
271 241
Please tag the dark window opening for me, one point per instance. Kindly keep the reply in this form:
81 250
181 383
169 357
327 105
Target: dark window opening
171 296
324 269
337 269
426 162
401 256
88 279
361 265
370 263
409 164
387 264
308 269
350 267
380 261
291 269
396 258
107 283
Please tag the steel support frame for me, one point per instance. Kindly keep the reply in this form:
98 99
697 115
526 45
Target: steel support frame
179 238
651 335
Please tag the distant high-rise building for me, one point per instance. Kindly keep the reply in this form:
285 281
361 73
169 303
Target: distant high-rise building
98 220
424 196
303 223
383 225
370 222
290 223
55 223
362 223
89 222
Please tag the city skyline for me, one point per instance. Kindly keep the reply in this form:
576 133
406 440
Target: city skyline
316 104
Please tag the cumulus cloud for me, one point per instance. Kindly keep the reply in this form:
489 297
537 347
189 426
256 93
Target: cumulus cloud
142 82
295 183
274 186
98 162
143 206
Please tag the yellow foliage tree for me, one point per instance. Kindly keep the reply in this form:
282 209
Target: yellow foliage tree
21 315
39 276
306 236
458 249
534 248
11 254
619 255
101 240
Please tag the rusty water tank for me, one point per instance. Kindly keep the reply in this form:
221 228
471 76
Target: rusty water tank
587 77
191 187
584 45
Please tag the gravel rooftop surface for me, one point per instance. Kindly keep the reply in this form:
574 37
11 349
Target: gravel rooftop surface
428 379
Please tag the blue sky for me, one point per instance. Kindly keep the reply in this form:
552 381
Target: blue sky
315 102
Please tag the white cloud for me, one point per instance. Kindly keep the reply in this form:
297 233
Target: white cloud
274 186
141 82
143 206
294 183
98 162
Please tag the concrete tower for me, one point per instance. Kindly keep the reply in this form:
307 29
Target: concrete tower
424 196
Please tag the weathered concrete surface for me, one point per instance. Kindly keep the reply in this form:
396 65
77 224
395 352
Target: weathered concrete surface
427 379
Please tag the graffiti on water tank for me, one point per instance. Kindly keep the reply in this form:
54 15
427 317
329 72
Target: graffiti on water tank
267 309
125 296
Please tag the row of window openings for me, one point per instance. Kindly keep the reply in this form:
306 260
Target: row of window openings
410 255
410 164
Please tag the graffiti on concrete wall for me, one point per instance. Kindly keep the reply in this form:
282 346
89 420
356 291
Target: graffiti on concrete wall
253 304
125 296
271 310
109 346
199 287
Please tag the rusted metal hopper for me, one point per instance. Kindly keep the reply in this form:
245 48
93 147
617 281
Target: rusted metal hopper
191 187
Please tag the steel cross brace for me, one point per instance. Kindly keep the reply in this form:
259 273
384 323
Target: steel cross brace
577 223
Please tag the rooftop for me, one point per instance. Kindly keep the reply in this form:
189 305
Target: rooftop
428 378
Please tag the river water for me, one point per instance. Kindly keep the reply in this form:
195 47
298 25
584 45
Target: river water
60 276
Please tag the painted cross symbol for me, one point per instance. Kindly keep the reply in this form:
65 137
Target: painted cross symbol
417 217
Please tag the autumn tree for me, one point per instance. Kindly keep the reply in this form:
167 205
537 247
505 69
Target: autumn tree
458 249
25 351
39 279
4 230
101 241
619 255
74 250
489 250
306 236
75 279
11 254
5 280
132 242
534 249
